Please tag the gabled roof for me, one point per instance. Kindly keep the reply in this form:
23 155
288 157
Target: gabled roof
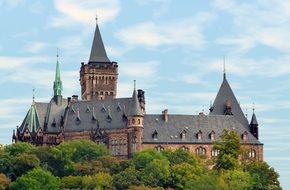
98 52
225 94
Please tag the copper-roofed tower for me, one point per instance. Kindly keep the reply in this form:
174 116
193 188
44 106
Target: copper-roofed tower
98 78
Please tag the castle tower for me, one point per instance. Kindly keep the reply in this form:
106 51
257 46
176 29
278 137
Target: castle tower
57 85
98 78
135 124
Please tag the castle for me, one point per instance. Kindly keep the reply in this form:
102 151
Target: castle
122 124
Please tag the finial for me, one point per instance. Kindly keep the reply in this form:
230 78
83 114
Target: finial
253 108
134 84
224 65
96 17
57 54
33 95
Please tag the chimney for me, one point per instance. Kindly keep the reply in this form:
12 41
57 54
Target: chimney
141 98
74 98
165 115
68 100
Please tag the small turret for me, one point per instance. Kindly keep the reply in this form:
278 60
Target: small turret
135 124
57 85
254 125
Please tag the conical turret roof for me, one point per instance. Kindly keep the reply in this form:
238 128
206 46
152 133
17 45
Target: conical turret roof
98 52
225 94
254 120
135 108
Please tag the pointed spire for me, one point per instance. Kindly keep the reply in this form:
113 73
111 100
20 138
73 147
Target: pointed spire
254 119
33 95
135 108
57 85
224 95
98 52
31 121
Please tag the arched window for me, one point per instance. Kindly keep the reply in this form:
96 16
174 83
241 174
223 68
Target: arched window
159 148
139 121
252 153
133 121
184 148
215 152
200 151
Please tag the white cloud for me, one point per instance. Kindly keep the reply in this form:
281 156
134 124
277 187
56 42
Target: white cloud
78 11
35 47
139 69
176 32
7 63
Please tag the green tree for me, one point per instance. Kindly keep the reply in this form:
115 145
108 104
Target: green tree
71 182
156 173
19 148
143 187
179 156
126 178
25 162
236 179
4 181
83 150
6 162
88 168
230 149
184 172
36 179
142 159
204 182
265 177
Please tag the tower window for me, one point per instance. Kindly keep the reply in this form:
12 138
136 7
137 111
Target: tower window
252 153
133 121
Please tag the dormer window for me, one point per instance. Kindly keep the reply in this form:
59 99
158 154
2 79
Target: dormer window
199 135
155 135
183 134
119 108
245 136
103 109
88 110
53 123
212 136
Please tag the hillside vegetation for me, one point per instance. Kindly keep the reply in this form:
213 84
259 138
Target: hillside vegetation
84 165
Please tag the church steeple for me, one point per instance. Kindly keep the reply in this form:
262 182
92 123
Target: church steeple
57 85
98 52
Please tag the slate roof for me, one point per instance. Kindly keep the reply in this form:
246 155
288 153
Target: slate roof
254 120
135 109
225 93
170 131
98 52
109 114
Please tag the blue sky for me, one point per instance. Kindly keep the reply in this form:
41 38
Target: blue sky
174 49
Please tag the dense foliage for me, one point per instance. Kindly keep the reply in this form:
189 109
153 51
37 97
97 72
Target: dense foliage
86 165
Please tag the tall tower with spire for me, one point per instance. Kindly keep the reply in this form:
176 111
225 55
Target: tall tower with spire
98 78
57 85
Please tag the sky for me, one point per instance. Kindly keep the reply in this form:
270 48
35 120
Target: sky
174 49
